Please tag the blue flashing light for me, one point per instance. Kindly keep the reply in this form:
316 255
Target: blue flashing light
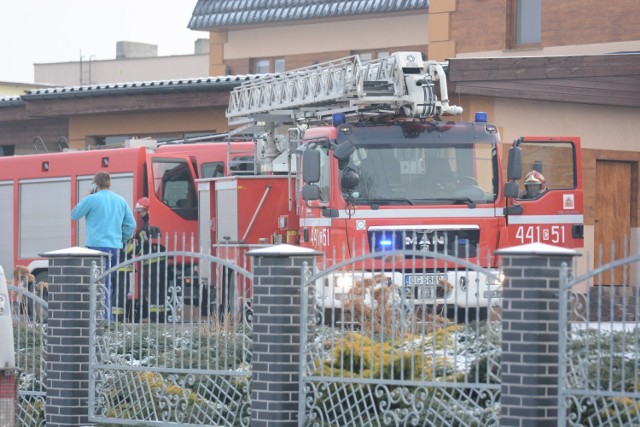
386 243
338 119
481 116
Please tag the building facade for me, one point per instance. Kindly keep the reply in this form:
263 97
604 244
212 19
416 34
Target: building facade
133 62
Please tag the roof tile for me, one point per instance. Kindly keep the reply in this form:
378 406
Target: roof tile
202 83
210 14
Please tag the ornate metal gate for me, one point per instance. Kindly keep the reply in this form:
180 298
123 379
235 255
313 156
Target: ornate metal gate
385 358
599 351
179 355
29 314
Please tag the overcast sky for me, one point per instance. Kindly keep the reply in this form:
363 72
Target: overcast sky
44 31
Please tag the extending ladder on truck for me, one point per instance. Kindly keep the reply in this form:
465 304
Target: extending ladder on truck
401 84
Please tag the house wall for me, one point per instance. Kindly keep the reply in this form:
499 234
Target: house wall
303 44
577 22
327 36
569 27
33 135
84 129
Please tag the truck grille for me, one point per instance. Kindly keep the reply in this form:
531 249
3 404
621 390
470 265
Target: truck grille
460 243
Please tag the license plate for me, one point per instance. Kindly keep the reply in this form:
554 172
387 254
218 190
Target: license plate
423 279
423 286
426 292
493 294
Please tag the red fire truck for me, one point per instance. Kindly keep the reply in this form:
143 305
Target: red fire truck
37 193
379 169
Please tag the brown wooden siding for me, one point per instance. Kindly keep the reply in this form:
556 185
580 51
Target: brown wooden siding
602 80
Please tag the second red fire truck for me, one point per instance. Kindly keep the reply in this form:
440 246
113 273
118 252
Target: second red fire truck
37 193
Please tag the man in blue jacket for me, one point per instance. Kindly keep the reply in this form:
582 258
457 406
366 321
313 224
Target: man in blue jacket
109 223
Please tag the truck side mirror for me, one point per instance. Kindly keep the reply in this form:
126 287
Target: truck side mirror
310 166
514 165
311 192
344 150
511 189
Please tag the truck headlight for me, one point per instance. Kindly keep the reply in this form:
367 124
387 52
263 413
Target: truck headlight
496 280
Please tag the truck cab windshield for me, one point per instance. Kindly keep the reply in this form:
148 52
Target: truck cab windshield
396 169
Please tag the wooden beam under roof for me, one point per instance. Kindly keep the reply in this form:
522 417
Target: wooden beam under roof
601 79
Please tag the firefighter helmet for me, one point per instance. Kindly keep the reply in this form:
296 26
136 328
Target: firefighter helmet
142 203
534 184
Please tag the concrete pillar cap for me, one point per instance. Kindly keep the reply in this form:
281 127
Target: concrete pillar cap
283 250
537 249
73 251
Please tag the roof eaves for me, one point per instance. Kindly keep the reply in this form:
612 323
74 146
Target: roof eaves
11 101
210 14
134 88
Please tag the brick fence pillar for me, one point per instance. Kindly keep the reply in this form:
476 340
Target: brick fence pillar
277 284
530 334
68 335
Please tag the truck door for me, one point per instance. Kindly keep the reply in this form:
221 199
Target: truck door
316 226
173 200
548 206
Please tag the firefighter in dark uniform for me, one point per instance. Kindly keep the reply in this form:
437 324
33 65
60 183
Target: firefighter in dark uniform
535 185
152 269
122 292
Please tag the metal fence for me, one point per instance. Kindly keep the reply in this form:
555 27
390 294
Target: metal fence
395 353
599 349
176 348
29 314
384 352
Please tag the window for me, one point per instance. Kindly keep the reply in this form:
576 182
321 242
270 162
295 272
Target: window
323 183
212 169
278 65
173 184
528 22
368 55
268 65
552 165
261 66
417 173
